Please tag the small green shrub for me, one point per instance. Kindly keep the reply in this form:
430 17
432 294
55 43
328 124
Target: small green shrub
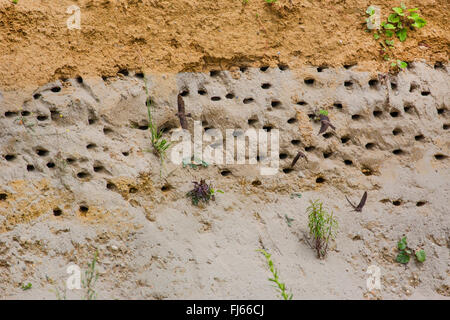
27 286
404 254
280 286
398 23
322 227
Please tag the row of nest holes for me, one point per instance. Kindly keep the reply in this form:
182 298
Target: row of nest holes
378 113
82 209
55 115
399 202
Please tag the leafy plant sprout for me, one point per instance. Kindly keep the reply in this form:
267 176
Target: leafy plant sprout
202 192
399 22
322 227
280 286
403 256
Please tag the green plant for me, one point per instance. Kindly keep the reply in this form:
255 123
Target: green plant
15 1
288 220
90 278
323 112
322 227
404 252
398 23
27 286
159 144
194 163
281 286
271 1
202 192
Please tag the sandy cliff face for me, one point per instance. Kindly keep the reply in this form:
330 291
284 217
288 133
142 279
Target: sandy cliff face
77 176
78 172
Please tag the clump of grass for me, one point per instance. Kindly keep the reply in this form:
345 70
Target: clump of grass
322 227
280 286
160 145
202 192
90 278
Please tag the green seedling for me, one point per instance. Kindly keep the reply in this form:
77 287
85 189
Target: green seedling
295 195
27 286
322 227
280 286
194 163
270 1
288 220
404 254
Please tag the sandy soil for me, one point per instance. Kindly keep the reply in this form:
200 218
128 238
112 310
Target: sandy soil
191 35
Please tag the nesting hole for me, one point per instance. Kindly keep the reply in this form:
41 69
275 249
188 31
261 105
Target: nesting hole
91 146
439 65
125 153
327 135
248 100
83 175
419 137
252 122
10 114
377 113
310 148
266 86
99 168
440 156
397 202
25 113
425 93
321 68
283 67
345 139
348 162
165 188
348 84
440 111
393 85
10 157
356 117
295 142
292 120
107 131
413 86
214 73
230 96
309 81
3 196
398 152
133 190
275 104
445 126
394 113
84 209
111 186
320 180
36 96
288 170
225 173
338 105
283 155
30 168
373 83
42 152
57 212
397 131
202 92
51 165
256 183
268 128
302 103
216 98
264 68
56 89
42 117
326 155
420 203
123 72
